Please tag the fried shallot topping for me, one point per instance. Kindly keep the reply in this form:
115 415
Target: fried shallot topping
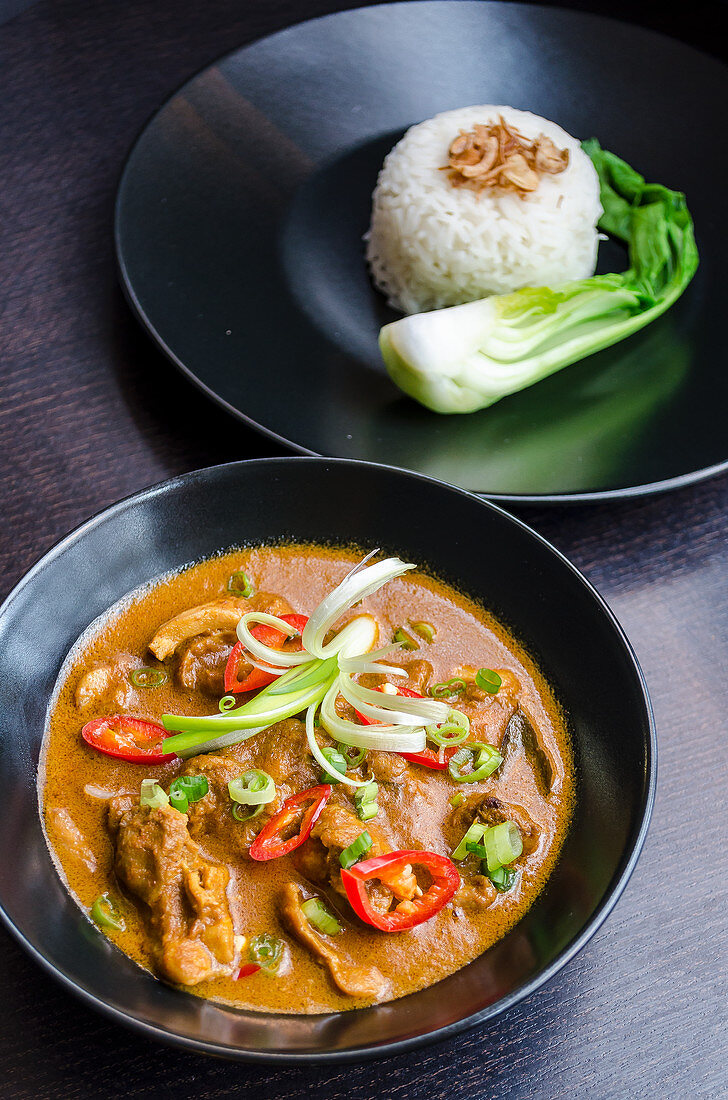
500 156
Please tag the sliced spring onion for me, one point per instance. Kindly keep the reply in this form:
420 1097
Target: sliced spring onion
178 800
148 677
362 581
228 702
276 657
194 787
503 878
152 795
405 640
456 800
380 706
352 755
106 914
355 851
455 686
240 814
320 918
483 760
337 765
425 630
267 952
503 844
365 802
477 850
318 755
473 835
240 584
488 680
453 731
252 788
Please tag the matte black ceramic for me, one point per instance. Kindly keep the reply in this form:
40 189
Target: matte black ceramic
242 207
550 606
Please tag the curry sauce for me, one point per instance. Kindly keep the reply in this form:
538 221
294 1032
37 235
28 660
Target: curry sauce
89 801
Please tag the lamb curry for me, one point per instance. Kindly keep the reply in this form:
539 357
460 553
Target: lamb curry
295 805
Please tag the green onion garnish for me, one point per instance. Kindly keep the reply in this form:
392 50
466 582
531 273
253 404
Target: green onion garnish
456 800
503 844
252 788
105 913
228 702
240 585
483 760
503 878
404 639
473 835
351 754
488 680
320 918
148 677
425 630
365 801
267 952
152 795
476 849
186 789
239 812
453 731
455 686
355 851
337 764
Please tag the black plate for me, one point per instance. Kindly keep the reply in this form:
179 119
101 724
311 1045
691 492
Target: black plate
239 229
551 607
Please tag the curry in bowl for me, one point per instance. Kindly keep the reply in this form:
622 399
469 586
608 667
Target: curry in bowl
292 781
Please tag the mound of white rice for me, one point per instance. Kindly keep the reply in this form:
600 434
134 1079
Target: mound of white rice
431 244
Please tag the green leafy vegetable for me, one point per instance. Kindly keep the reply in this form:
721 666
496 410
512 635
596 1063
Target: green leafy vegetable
467 357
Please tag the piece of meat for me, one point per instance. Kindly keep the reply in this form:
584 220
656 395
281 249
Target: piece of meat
356 981
490 811
201 662
107 686
282 751
69 837
520 733
337 828
222 614
185 893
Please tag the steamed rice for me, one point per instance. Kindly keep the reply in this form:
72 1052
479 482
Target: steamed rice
432 245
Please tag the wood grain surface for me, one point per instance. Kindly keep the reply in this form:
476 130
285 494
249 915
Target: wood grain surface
90 412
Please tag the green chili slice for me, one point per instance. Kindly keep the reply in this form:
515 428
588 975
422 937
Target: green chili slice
148 677
240 584
267 952
152 795
405 640
337 764
453 731
106 914
488 680
425 630
503 878
355 851
320 918
483 760
455 686
503 844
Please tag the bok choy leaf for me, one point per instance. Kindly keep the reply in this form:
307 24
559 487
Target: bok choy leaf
466 357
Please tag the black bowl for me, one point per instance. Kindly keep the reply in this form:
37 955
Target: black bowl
549 606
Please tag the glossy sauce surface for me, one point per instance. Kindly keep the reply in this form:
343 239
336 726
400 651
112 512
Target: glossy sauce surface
415 812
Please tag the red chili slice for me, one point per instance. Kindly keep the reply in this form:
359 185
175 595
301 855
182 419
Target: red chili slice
276 639
445 882
271 842
128 738
428 758
246 970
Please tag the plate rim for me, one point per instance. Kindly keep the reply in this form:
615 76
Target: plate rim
613 893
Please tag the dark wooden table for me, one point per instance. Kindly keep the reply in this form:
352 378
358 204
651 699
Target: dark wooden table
89 412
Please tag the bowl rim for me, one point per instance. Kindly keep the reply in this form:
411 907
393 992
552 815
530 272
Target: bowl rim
612 894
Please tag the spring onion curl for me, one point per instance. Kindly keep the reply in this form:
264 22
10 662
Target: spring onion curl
313 678
466 357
